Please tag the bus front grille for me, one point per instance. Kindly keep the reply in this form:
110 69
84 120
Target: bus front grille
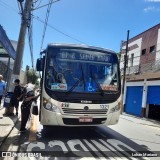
82 111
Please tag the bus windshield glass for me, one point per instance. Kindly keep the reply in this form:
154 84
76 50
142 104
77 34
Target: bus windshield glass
81 70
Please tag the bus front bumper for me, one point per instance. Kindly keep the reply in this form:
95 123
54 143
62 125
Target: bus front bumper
58 119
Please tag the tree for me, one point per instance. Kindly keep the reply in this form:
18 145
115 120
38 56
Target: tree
32 77
119 56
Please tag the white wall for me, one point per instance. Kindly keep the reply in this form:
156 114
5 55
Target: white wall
136 51
158 46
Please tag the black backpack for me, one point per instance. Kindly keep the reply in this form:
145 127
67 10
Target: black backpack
23 93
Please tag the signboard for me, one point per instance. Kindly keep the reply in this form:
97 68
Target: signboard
84 55
109 87
7 44
90 87
59 86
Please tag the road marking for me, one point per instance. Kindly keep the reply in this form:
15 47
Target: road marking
82 150
94 149
110 148
58 143
40 145
33 129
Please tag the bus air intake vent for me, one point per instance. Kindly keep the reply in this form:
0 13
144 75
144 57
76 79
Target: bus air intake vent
83 111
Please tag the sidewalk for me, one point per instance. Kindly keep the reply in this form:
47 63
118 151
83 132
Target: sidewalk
138 120
6 125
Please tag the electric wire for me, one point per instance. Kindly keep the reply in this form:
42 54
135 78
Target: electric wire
45 24
30 39
20 11
7 6
59 31
45 5
30 44
38 4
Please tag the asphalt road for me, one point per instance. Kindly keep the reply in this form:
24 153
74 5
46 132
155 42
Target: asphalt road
78 142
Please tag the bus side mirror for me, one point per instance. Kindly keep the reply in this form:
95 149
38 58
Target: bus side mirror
39 64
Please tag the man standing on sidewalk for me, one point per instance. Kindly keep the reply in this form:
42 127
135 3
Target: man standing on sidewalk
15 98
2 88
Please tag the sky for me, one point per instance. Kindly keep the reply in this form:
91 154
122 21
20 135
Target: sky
101 23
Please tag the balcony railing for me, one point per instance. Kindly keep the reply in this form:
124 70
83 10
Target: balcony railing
143 68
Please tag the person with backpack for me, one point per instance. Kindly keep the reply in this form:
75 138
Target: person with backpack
26 105
15 98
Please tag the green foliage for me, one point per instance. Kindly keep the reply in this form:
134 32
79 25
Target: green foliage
32 77
119 56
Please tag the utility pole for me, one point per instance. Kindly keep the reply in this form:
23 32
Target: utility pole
26 16
21 41
124 73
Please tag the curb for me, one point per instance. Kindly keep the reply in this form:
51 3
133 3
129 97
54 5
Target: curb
4 139
143 120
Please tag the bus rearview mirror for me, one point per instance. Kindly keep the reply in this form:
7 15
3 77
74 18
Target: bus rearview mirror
39 64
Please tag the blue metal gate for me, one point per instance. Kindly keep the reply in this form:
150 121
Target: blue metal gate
134 100
153 96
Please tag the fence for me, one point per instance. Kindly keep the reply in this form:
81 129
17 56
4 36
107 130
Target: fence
153 66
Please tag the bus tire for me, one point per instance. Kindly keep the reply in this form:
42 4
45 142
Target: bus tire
47 127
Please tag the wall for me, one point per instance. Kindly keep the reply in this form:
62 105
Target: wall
158 46
134 47
149 39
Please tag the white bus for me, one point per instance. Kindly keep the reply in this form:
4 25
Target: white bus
80 86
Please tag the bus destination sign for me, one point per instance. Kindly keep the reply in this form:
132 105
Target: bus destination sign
84 56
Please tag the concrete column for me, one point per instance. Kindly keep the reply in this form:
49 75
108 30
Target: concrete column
147 110
144 98
124 98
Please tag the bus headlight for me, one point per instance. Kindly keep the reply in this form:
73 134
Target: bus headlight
49 106
54 107
116 108
112 110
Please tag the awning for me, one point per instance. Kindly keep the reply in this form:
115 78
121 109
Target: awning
6 48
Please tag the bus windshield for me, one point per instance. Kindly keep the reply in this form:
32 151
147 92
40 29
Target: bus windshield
81 70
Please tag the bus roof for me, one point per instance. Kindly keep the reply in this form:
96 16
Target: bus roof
82 46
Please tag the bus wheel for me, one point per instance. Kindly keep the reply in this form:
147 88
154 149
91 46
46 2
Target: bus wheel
45 127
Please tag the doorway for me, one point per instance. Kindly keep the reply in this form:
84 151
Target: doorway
154 112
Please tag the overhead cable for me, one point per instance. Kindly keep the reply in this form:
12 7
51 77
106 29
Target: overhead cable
59 31
45 24
30 39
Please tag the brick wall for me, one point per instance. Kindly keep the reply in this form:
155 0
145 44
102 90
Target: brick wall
149 39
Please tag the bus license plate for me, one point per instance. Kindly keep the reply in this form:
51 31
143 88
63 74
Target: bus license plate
85 119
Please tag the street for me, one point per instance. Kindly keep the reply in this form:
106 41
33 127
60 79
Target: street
113 142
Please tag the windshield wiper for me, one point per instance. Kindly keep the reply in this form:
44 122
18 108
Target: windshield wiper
97 83
74 86
83 77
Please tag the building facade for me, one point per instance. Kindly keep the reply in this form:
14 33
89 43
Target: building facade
142 89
